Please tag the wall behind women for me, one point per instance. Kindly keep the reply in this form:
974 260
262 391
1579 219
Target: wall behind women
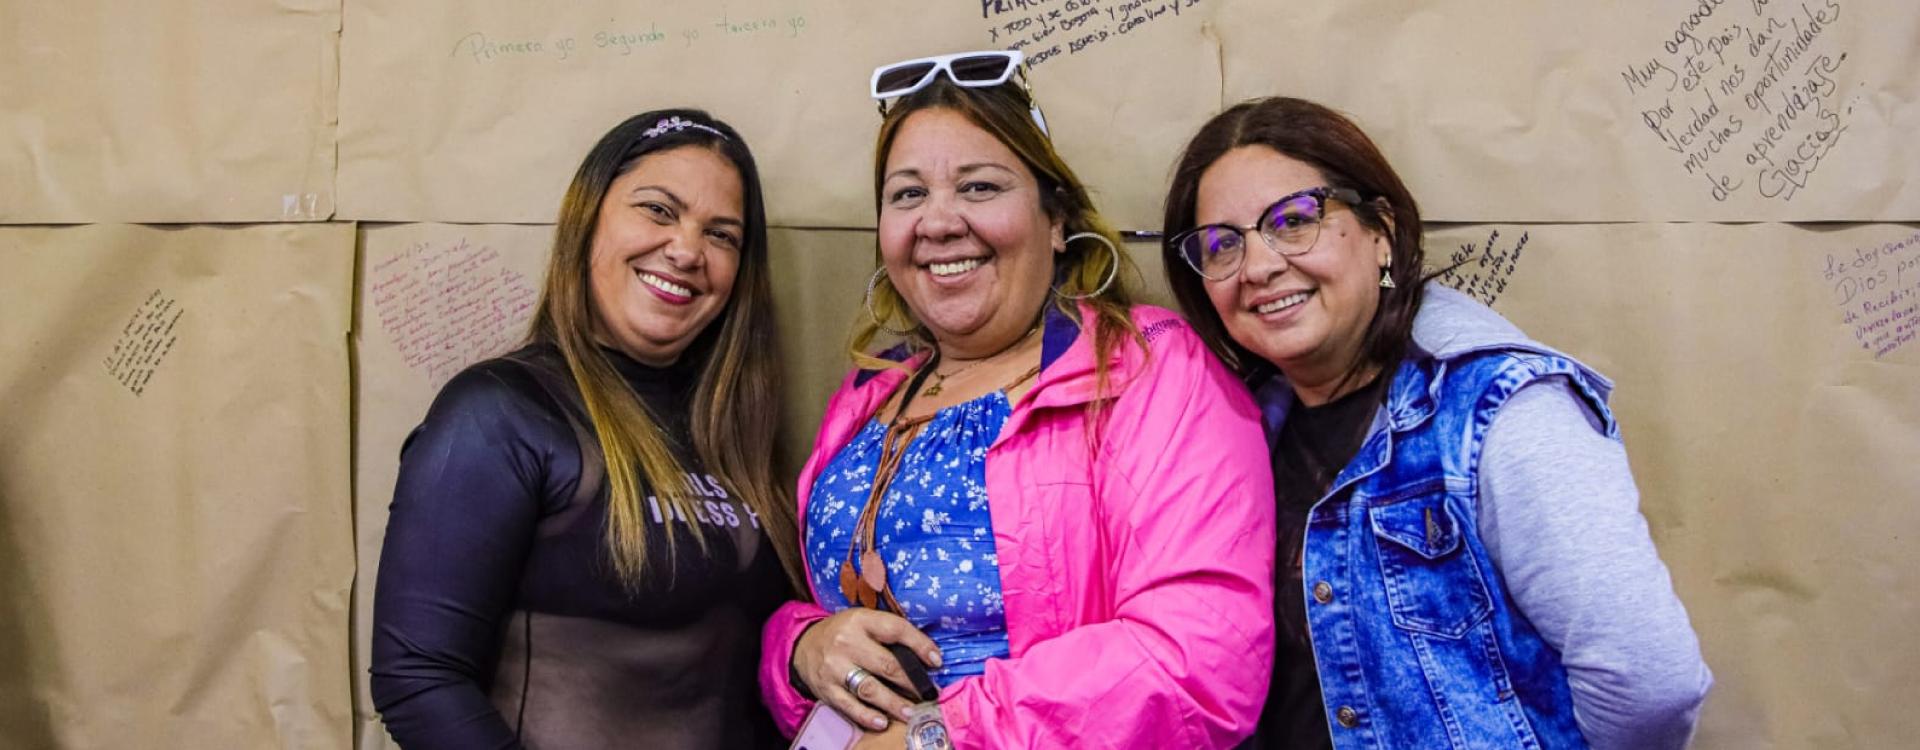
175 414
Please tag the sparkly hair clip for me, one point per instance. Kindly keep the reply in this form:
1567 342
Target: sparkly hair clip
676 124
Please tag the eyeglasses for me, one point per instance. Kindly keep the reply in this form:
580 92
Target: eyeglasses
974 70
1290 226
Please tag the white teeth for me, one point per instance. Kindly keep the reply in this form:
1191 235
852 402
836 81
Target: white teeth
956 267
664 285
1283 303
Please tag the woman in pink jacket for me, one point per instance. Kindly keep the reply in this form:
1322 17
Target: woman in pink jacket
1063 493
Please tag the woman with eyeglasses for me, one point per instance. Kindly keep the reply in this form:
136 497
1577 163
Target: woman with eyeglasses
1055 498
1462 560
587 533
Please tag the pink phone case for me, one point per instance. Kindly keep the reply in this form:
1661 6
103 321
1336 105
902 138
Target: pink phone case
825 729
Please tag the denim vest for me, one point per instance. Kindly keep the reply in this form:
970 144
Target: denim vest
1415 639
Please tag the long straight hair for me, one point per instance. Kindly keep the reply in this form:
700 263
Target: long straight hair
735 405
1003 112
1347 158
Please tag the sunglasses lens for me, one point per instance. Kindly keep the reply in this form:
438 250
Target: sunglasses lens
981 68
902 78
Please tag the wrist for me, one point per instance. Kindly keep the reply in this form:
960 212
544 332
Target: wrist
798 683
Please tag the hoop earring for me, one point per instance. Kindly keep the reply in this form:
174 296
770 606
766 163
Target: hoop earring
1112 273
877 322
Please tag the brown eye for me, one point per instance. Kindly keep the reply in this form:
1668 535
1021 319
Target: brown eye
725 239
907 196
659 211
977 190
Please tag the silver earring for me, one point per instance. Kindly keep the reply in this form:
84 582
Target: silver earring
1112 273
1386 276
877 322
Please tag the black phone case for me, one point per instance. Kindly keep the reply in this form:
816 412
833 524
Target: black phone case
922 690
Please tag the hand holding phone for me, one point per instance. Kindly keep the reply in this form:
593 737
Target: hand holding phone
827 729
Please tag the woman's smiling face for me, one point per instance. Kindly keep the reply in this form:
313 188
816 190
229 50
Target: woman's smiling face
964 233
1307 314
665 251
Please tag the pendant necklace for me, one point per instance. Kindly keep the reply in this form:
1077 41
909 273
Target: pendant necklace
940 379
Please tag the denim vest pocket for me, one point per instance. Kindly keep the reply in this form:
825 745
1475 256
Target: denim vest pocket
1433 584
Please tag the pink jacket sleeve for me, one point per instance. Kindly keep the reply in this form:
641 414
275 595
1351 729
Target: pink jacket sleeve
777 637
776 652
1184 496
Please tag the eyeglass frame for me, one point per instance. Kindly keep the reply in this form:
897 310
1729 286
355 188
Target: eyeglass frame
1016 70
1349 196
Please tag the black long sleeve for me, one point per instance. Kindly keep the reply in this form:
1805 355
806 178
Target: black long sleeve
468 499
497 617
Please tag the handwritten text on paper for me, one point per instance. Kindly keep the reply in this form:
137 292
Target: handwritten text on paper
1481 269
1877 289
1046 29
1746 94
144 343
447 305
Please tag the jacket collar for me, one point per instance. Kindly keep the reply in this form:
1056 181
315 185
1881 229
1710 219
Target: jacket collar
1450 325
1067 374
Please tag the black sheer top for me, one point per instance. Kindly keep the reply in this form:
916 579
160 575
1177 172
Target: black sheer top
498 620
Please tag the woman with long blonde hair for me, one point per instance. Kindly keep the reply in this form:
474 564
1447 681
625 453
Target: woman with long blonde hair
587 533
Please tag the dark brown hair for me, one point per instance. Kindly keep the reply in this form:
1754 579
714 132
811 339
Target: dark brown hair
736 401
1347 158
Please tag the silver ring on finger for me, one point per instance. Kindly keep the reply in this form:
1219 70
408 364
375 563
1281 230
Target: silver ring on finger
855 678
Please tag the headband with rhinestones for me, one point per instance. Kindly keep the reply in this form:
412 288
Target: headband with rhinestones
676 124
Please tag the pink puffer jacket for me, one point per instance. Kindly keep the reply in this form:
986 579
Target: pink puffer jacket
1137 581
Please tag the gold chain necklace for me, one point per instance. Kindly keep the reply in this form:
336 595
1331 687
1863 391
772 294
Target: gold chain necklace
940 379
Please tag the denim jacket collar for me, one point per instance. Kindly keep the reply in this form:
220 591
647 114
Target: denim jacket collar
1450 325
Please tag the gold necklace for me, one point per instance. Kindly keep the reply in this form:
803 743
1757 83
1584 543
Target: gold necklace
940 379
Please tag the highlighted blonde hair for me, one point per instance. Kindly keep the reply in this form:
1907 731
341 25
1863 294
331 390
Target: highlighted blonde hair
735 405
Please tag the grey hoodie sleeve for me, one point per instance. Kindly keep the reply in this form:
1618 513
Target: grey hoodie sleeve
1560 517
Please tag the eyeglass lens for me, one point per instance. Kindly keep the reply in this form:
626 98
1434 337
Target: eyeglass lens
1292 224
1289 226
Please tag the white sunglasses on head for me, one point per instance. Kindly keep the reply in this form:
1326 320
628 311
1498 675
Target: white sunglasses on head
982 69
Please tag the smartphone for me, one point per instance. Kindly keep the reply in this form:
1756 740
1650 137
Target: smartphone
825 729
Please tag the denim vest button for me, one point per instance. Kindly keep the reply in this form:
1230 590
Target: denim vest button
1323 592
1347 716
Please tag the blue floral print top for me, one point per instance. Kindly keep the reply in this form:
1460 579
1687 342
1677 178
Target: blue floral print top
933 530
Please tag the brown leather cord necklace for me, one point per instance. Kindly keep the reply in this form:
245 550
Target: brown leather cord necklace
863 575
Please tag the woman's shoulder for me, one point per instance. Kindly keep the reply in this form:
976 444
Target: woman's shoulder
1155 323
1171 342
494 407
1451 325
1175 363
517 382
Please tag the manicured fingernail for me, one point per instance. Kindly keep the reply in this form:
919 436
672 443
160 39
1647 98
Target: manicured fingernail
879 722
933 657
906 713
